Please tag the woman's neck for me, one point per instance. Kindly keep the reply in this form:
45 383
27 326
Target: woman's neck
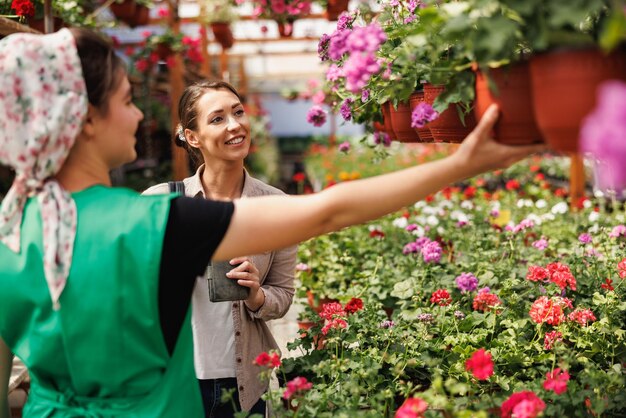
79 174
223 180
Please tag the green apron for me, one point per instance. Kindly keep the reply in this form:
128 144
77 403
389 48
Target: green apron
102 354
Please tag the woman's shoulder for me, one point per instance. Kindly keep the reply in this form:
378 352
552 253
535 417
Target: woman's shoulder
161 188
259 188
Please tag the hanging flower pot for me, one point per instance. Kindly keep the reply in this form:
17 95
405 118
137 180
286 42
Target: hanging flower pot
401 123
141 16
223 34
564 87
424 133
516 124
386 109
285 29
163 50
335 7
448 126
124 11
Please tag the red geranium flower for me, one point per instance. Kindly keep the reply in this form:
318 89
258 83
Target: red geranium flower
354 305
480 364
23 8
621 266
556 381
551 338
607 285
512 185
485 301
441 297
547 310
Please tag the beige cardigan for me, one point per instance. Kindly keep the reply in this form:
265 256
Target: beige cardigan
276 271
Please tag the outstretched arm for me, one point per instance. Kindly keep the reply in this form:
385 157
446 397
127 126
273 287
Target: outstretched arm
6 361
272 222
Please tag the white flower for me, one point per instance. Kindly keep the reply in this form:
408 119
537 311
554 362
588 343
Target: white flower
495 206
619 217
420 220
559 208
548 217
400 222
541 203
587 204
595 228
429 210
534 218
446 204
457 215
467 204
594 216
420 204
432 220
374 228
419 231
524 203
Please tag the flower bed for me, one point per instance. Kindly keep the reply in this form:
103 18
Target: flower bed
505 304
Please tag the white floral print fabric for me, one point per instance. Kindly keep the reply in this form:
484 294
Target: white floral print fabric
43 102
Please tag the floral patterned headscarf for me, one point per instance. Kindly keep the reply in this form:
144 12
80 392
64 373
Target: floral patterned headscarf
43 102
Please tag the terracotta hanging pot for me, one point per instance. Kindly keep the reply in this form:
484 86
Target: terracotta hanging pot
401 123
141 17
516 124
163 50
285 29
335 7
448 126
564 85
223 34
424 133
124 11
386 109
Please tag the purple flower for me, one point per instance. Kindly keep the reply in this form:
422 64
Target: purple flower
344 146
334 73
618 231
366 39
382 138
387 324
432 252
466 282
316 116
337 46
410 248
365 95
422 114
585 238
421 241
358 69
322 47
346 111
602 134
344 20
425 318
411 227
541 244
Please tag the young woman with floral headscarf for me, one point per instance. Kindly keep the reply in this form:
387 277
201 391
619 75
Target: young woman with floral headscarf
95 281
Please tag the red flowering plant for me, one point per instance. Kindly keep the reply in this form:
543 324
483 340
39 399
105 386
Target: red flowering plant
282 11
479 318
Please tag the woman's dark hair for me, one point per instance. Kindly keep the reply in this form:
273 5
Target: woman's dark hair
102 68
188 112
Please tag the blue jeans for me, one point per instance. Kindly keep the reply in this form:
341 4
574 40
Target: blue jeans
211 398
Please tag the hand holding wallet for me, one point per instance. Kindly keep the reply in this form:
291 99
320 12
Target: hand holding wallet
222 288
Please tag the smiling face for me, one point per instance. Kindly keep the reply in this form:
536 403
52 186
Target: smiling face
223 128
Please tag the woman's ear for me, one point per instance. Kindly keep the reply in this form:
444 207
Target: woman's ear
90 125
192 139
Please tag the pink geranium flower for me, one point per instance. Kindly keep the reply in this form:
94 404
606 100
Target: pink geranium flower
522 405
297 386
412 408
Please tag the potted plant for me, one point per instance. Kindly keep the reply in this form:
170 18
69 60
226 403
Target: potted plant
219 14
577 45
284 12
334 8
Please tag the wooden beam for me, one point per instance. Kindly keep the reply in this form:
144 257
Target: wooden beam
577 181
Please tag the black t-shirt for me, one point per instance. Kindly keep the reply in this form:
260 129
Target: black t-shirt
195 227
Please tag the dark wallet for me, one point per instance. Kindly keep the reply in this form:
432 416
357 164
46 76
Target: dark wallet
222 288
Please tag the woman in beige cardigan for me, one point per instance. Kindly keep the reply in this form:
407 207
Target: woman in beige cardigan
229 335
